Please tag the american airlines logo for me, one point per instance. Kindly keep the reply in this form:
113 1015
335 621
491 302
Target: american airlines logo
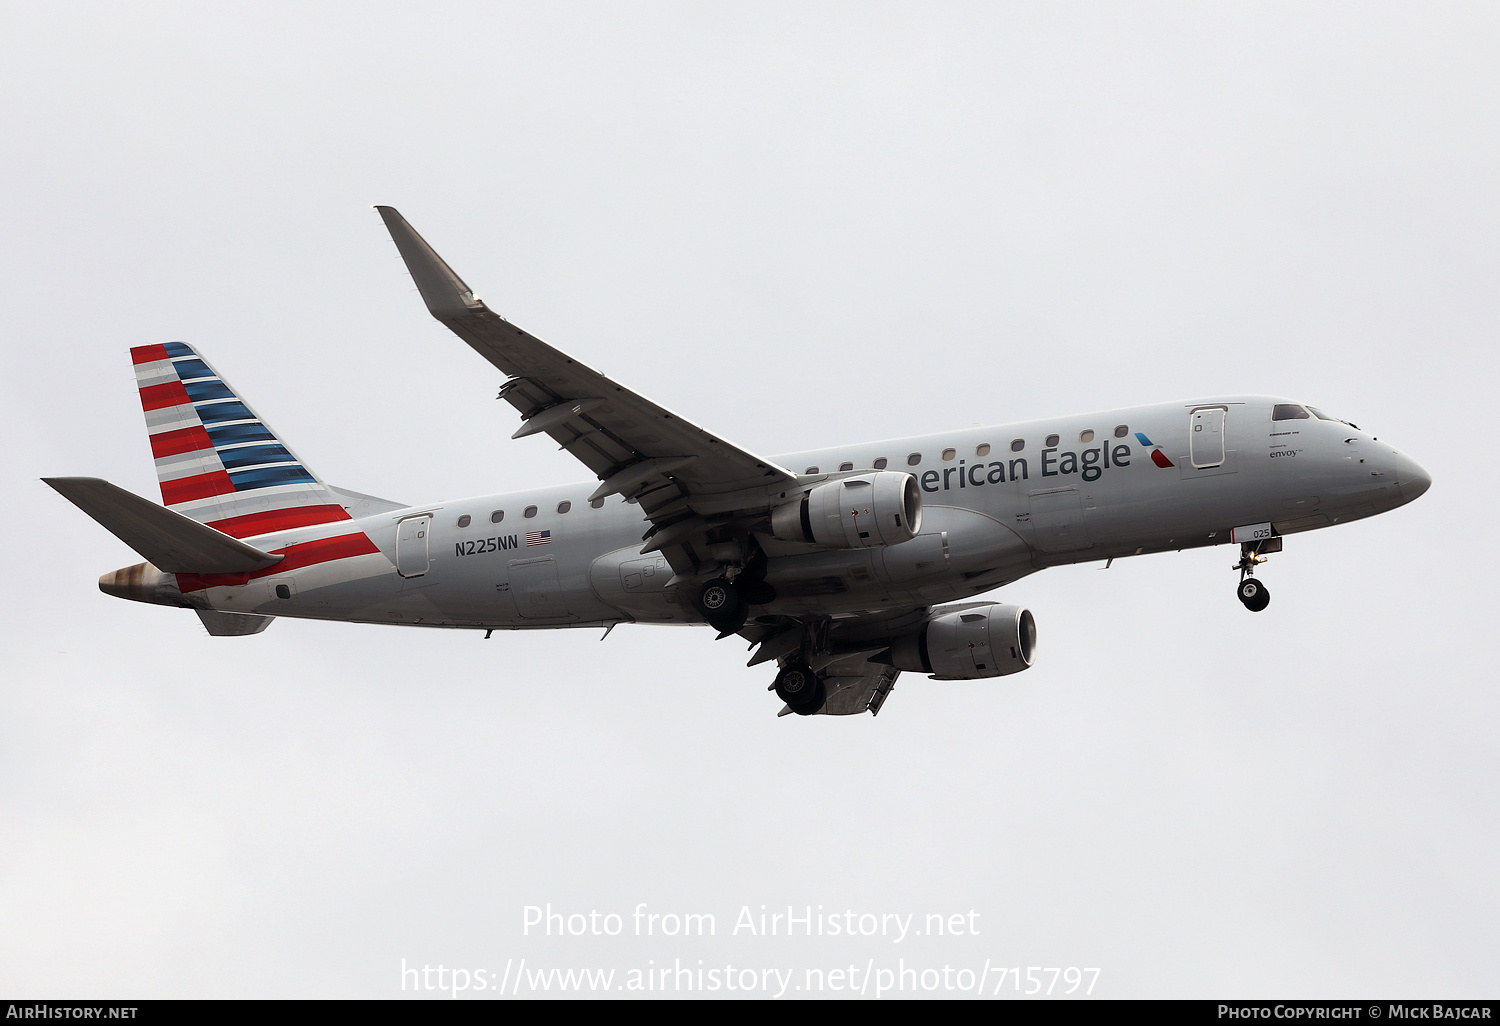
1157 456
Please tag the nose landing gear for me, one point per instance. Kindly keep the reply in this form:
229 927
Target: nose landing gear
1253 595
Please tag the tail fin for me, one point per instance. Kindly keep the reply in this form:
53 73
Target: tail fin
217 461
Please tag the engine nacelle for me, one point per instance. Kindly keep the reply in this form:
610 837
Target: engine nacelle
985 641
863 512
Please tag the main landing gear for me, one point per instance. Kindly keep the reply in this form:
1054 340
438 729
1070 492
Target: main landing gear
800 687
1253 595
722 605
725 601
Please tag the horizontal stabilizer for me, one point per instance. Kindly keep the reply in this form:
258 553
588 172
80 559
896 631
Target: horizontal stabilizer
172 542
233 625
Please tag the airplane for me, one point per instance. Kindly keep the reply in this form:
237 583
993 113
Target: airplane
845 566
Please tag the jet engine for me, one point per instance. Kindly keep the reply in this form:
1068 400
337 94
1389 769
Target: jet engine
981 641
863 512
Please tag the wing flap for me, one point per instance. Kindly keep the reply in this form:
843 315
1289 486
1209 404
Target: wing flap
855 690
856 685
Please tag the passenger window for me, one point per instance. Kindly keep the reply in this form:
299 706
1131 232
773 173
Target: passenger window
529 512
982 449
914 459
882 463
1289 411
1052 440
1122 431
564 506
948 454
597 503
846 465
1017 444
1086 437
810 470
497 516
464 520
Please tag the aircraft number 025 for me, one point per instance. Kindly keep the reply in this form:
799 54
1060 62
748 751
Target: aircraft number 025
1255 532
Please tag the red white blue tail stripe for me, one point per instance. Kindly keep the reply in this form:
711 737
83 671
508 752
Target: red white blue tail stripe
216 460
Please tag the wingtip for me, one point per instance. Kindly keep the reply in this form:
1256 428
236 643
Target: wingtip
442 290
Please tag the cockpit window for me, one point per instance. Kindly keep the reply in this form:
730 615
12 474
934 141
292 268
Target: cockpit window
1289 411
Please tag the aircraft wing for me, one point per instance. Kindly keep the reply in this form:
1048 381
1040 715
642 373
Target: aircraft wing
678 471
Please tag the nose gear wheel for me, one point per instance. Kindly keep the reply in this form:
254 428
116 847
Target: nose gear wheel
1253 595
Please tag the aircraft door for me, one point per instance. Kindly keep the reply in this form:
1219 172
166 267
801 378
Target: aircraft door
534 585
1206 437
412 559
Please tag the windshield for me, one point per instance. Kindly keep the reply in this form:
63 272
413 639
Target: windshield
1337 420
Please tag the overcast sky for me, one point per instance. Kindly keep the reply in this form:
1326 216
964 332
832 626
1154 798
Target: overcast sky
798 225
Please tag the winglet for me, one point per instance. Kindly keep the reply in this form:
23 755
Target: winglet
444 292
172 542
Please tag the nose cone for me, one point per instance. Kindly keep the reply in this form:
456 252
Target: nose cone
1411 477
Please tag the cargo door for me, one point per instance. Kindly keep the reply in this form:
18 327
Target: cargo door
534 585
1057 521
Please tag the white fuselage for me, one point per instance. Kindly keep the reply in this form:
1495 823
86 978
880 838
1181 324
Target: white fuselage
993 511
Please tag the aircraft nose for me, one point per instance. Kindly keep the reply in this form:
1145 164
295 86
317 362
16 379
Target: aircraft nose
1411 477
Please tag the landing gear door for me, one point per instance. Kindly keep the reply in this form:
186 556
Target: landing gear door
411 546
1206 437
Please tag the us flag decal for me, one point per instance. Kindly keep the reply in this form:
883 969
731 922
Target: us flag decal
538 538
